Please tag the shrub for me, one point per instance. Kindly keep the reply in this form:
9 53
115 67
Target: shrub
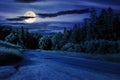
72 47
100 46
45 43
9 55
94 46
67 46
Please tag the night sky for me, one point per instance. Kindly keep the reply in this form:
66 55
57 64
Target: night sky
10 9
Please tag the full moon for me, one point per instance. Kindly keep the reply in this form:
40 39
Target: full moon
30 14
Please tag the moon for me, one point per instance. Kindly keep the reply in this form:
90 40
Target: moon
30 14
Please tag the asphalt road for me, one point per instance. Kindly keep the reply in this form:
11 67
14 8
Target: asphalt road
43 66
79 62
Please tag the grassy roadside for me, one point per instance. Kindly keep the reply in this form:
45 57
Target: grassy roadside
101 57
9 45
9 53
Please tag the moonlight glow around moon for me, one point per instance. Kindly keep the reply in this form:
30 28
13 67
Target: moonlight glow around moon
30 14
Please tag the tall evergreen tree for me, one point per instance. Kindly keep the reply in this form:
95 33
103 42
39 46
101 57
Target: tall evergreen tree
56 39
75 36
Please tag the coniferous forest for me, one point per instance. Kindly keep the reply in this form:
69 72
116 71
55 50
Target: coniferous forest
98 34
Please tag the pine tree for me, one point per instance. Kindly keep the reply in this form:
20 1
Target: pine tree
66 36
91 28
75 36
93 16
103 17
56 40
110 17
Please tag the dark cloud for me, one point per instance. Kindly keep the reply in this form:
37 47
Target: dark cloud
25 1
82 11
18 23
20 18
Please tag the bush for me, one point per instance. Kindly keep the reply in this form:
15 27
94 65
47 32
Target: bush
68 46
100 46
9 56
94 46
45 43
72 47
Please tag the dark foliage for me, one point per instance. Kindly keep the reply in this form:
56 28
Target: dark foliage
9 59
45 43
4 31
24 38
9 56
100 46
99 34
56 41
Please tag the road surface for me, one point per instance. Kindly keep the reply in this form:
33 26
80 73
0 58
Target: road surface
42 66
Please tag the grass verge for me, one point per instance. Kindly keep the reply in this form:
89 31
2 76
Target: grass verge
9 56
9 45
9 53
101 57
